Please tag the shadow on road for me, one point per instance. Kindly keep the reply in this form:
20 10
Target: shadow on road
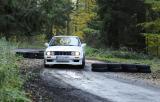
64 67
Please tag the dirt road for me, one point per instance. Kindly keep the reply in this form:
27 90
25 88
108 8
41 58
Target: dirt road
102 85
68 84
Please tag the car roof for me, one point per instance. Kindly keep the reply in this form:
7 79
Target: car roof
65 36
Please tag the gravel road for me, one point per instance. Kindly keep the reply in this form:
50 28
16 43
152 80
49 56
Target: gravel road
68 84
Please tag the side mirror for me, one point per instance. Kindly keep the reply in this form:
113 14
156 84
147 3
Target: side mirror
83 45
46 44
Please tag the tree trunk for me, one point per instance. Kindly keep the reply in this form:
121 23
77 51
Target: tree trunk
49 31
68 26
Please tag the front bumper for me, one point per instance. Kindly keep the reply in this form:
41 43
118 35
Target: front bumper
67 60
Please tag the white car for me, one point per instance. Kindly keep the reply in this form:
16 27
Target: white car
64 50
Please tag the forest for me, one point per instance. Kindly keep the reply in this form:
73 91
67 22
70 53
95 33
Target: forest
133 24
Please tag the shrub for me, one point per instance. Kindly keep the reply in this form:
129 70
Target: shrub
10 80
92 37
109 53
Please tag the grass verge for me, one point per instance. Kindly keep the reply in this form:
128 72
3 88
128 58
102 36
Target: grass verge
123 56
10 80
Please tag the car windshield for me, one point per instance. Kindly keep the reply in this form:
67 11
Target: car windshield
64 41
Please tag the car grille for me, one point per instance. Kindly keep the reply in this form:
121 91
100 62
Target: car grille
62 53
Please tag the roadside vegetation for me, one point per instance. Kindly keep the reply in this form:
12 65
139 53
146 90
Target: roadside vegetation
10 79
123 56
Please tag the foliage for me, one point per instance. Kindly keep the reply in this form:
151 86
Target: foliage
155 4
153 44
92 37
10 81
28 17
152 25
34 42
82 14
109 53
120 19
153 40
122 56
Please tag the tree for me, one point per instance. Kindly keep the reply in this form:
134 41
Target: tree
30 17
82 14
152 25
57 12
120 19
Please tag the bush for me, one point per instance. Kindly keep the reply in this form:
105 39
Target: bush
92 37
108 53
130 55
10 81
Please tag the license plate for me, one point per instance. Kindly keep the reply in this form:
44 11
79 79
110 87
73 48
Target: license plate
62 59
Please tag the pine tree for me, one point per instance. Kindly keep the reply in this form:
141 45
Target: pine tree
120 19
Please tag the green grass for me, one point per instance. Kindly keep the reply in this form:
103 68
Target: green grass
36 45
10 80
123 56
32 42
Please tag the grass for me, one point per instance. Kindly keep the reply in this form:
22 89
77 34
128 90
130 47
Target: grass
35 42
10 80
31 45
123 56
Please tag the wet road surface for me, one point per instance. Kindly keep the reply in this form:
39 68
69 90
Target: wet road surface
100 85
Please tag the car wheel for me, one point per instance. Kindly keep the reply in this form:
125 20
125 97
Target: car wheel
83 64
46 66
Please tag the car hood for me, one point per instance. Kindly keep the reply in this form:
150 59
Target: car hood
64 48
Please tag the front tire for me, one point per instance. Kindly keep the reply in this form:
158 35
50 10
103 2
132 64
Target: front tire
46 66
83 64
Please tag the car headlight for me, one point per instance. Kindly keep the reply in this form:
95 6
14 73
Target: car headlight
49 53
77 53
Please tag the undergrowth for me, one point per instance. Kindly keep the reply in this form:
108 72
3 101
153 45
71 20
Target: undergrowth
10 80
123 56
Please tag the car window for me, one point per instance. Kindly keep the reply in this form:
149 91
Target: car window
65 41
